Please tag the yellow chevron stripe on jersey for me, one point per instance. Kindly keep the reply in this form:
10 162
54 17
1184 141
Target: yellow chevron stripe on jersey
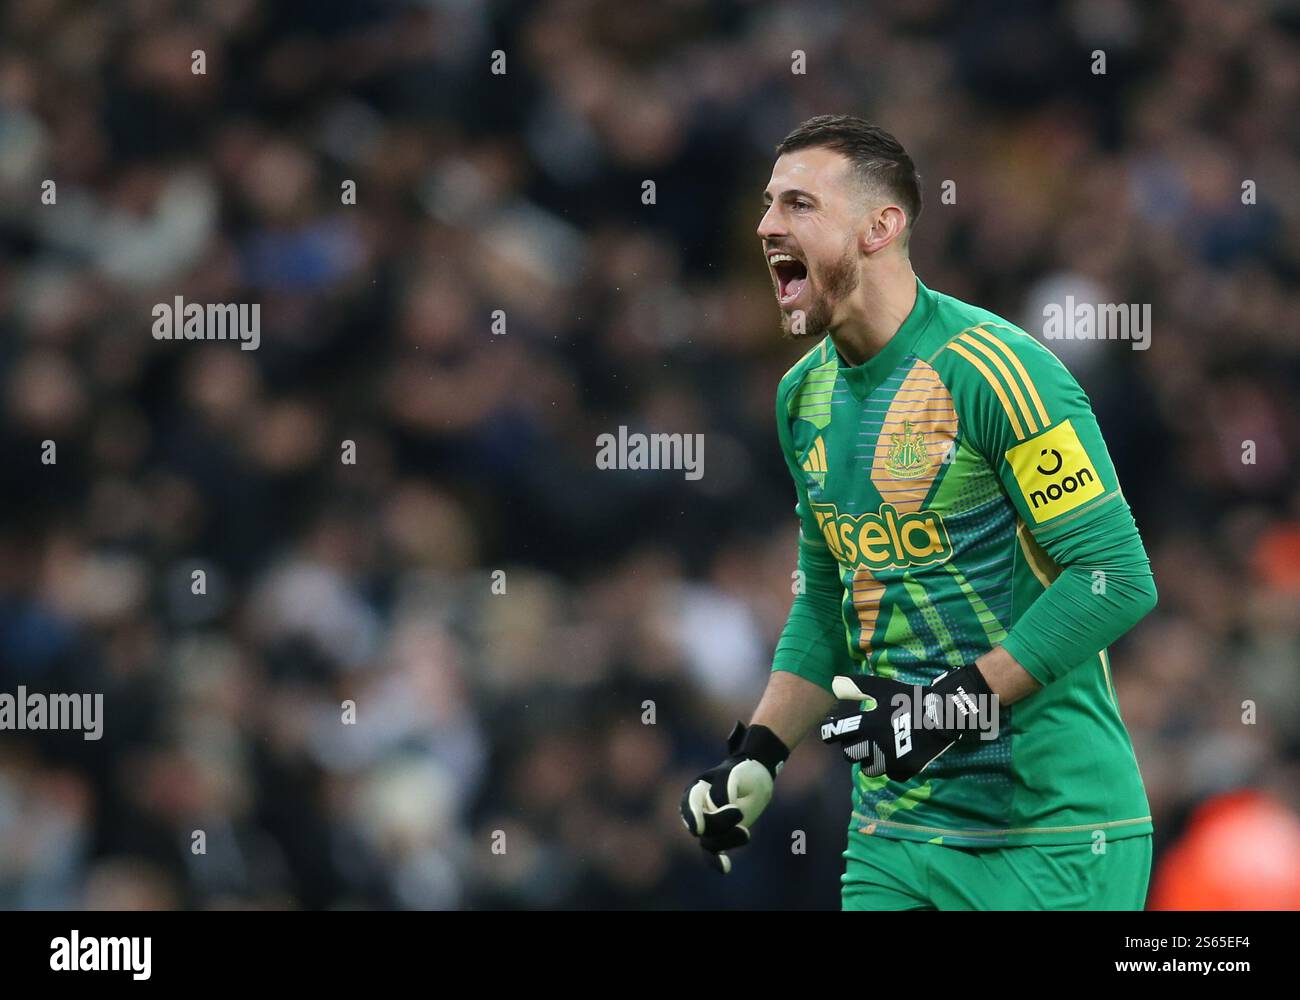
807 354
1015 363
969 338
816 459
997 387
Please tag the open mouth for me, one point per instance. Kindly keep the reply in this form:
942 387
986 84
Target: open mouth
791 276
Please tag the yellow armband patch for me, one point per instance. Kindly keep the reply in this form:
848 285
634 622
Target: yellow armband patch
1054 472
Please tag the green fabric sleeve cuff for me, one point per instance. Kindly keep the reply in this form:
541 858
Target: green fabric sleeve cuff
810 648
1028 658
809 672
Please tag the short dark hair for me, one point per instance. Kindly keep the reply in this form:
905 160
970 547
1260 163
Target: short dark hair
877 157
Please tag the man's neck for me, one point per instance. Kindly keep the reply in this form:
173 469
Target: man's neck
875 311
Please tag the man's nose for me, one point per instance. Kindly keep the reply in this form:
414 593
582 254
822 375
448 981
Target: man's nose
770 224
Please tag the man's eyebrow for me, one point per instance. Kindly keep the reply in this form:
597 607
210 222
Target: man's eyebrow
791 193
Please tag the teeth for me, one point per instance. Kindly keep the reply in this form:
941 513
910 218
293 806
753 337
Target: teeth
780 258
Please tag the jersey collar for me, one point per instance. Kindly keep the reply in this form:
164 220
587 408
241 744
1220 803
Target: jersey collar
864 378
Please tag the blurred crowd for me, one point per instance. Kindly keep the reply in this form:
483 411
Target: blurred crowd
539 654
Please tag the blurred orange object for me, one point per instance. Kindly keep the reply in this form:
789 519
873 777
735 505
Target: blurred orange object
1241 851
1277 558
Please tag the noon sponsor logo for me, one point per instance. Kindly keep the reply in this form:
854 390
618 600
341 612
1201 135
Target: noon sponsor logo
1055 472
1069 482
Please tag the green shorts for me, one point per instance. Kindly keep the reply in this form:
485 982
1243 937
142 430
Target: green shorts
885 874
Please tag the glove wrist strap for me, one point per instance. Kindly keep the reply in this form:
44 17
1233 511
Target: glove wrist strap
970 693
764 746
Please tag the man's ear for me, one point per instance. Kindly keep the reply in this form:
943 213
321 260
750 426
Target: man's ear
883 227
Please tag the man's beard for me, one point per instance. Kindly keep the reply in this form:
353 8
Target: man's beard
841 280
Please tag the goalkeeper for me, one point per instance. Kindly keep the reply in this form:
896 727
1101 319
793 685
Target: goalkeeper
966 558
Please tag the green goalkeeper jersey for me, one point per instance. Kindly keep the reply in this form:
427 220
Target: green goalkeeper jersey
955 494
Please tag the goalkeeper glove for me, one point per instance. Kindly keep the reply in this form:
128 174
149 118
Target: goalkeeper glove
721 804
885 737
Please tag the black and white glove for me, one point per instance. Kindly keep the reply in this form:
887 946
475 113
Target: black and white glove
889 737
721 804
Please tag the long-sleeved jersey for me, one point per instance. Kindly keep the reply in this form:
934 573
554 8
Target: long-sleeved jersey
955 494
